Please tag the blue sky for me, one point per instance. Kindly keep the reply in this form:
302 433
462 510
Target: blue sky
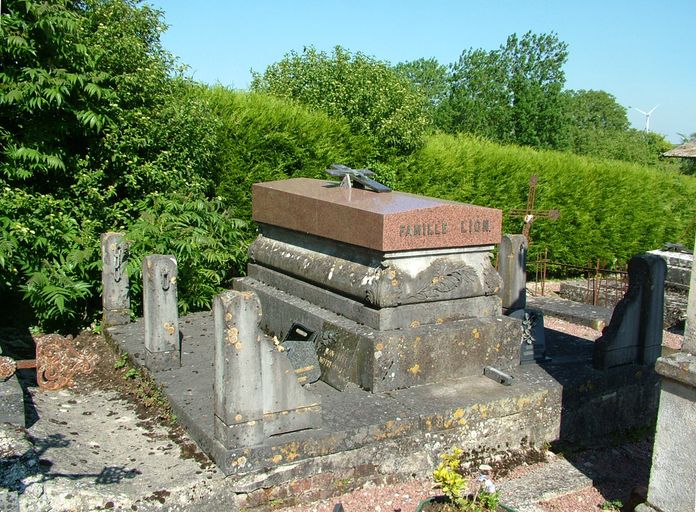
642 52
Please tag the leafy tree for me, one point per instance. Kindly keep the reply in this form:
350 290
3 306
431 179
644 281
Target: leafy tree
595 110
536 79
598 126
428 75
368 94
95 122
512 94
479 100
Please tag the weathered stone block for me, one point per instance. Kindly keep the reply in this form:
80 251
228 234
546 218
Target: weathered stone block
674 454
287 405
238 384
115 299
383 319
160 311
11 401
690 330
256 390
512 266
377 279
392 359
679 266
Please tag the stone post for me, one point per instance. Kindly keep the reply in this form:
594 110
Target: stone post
238 381
162 343
652 310
689 344
115 300
512 266
672 486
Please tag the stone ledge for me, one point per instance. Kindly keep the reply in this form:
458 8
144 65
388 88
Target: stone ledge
680 366
11 402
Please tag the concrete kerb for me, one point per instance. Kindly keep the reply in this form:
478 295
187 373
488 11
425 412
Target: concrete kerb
596 317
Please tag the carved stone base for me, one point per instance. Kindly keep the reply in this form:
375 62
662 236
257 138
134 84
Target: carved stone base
162 360
383 319
392 359
377 279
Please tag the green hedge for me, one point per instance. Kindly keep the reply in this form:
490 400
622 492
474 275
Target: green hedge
265 139
609 210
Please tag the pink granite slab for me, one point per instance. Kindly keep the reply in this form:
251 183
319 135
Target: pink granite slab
393 221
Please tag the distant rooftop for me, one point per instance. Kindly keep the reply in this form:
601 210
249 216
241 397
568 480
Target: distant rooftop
687 150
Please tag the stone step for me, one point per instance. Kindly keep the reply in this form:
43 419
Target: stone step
596 317
550 480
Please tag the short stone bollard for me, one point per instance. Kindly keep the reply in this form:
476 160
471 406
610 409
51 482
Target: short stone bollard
512 266
115 300
162 342
256 390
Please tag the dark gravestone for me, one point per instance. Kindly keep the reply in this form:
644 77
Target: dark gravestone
337 351
512 266
634 335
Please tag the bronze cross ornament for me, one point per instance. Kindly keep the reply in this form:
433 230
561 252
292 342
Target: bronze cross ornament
359 176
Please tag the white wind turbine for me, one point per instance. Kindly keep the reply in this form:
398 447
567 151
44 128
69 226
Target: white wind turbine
647 116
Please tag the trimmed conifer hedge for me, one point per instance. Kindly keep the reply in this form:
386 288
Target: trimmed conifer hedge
610 210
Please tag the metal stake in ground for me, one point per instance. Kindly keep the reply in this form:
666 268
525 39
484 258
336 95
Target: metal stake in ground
529 214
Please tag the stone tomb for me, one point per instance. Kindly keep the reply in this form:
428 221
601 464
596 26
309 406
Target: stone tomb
399 288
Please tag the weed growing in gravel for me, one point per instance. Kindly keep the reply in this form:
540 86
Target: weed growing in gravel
613 505
146 391
121 362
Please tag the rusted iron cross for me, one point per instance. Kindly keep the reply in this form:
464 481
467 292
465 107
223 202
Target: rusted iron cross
57 362
529 214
